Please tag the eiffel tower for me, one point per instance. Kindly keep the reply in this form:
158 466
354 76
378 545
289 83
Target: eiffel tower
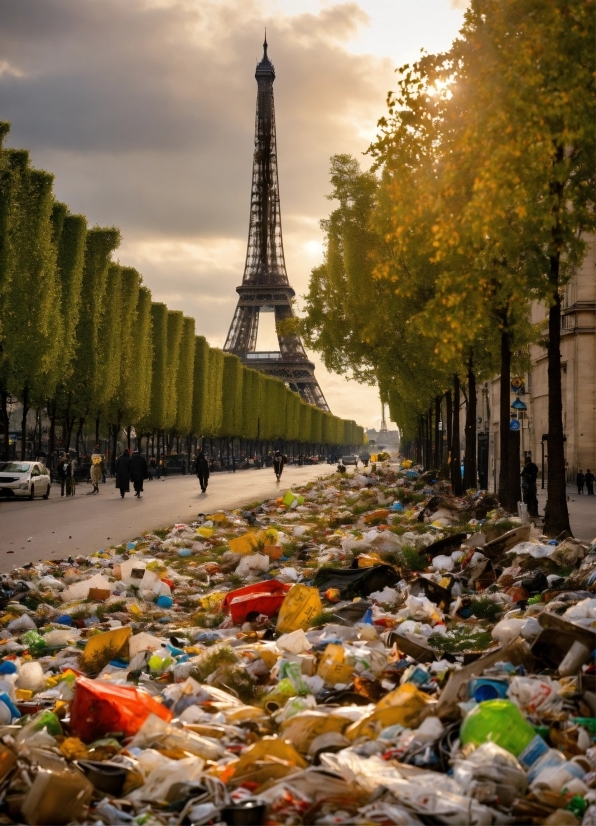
265 286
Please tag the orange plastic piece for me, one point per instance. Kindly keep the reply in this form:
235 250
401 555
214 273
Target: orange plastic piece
99 708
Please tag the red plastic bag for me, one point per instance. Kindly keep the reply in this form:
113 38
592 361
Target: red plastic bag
262 598
99 708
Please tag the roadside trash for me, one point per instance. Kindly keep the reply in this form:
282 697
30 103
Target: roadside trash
366 648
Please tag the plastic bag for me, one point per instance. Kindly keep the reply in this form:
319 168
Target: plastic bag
262 598
99 708
301 604
252 564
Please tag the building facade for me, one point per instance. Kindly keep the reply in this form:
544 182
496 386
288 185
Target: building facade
578 366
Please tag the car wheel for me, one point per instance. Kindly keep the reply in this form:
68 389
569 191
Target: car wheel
32 492
47 493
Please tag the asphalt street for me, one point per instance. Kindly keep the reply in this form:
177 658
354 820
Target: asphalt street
84 523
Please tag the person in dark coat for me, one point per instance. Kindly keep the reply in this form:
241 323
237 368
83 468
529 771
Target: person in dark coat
202 470
138 472
278 464
579 481
64 470
123 473
589 477
529 476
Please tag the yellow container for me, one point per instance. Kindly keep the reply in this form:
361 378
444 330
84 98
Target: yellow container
301 604
333 667
403 706
205 532
245 544
102 648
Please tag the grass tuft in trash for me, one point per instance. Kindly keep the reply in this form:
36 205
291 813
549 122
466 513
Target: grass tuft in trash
485 608
161 532
460 640
411 559
211 660
321 619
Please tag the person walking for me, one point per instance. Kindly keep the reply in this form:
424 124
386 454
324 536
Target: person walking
279 461
138 472
123 473
63 469
589 479
579 481
96 471
202 470
529 476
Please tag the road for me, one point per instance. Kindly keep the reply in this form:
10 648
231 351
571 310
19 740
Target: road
82 524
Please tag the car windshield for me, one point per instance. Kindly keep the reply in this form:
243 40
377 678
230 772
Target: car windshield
15 467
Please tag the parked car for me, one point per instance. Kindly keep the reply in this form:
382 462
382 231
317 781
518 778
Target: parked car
24 479
349 460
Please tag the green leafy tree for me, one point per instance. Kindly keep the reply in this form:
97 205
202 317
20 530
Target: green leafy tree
185 377
30 340
175 325
200 401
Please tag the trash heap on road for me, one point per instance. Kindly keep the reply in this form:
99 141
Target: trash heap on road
366 649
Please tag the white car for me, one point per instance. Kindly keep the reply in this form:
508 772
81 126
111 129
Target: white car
24 479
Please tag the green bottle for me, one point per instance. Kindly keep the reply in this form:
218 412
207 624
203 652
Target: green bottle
501 722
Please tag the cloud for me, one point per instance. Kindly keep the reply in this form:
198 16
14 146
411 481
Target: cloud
145 113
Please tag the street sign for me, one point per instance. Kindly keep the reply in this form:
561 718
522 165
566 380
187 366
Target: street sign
514 424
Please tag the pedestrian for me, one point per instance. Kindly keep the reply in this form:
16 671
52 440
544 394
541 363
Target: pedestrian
138 471
279 461
202 470
152 468
529 490
64 469
579 481
589 477
123 473
96 471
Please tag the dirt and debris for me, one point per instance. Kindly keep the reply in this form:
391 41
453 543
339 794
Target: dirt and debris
366 649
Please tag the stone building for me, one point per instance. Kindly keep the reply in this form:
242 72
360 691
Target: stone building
578 353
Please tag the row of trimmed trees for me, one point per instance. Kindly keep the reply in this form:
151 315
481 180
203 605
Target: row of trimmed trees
478 204
81 338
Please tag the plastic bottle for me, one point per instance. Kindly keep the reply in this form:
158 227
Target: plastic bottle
8 678
501 722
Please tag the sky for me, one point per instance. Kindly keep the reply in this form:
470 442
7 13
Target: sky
144 111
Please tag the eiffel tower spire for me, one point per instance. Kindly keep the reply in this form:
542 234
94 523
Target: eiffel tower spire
265 286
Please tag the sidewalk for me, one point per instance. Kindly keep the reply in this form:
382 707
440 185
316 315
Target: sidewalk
582 512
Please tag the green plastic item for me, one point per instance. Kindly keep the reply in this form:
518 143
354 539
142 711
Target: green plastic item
588 723
49 721
535 600
34 642
577 805
501 722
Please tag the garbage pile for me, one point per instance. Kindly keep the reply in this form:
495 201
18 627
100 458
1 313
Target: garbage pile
366 649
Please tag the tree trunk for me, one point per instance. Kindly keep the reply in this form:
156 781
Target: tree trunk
79 433
5 423
438 434
504 418
97 431
557 514
449 422
24 423
470 466
52 434
456 479
128 436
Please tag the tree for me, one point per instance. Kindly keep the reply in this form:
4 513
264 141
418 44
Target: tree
156 418
200 400
185 377
79 393
174 333
30 340
231 424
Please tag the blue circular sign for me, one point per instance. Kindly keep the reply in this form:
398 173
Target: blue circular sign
514 424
